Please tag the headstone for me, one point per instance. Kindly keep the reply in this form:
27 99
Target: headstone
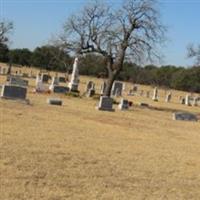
15 80
103 88
117 88
90 85
62 79
168 97
91 92
40 87
105 104
54 101
45 78
185 116
55 81
13 92
74 82
124 104
155 94
187 100
195 101
60 89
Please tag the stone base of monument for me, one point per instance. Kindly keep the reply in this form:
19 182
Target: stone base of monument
54 101
105 104
184 116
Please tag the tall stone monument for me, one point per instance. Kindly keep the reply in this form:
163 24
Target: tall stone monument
73 84
155 94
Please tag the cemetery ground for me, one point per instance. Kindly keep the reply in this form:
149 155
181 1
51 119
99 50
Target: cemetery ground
74 151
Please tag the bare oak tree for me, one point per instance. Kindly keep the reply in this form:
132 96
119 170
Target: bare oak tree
194 52
5 28
132 31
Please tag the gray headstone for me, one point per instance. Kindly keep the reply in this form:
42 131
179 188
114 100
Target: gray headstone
91 92
103 88
60 89
90 85
185 116
45 78
62 79
105 104
15 80
117 88
124 104
13 92
54 101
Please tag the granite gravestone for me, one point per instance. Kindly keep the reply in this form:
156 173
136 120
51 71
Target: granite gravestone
117 88
13 92
45 78
124 104
54 101
155 94
15 80
184 116
103 88
105 104
74 82
60 89
62 79
168 97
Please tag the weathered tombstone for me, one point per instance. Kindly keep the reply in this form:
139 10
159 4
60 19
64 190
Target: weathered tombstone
185 116
60 89
62 79
45 78
103 88
15 80
195 101
54 101
168 97
124 104
40 87
55 81
13 92
182 100
74 82
187 100
91 92
89 85
117 88
105 103
155 94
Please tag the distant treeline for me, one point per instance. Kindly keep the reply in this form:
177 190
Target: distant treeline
53 58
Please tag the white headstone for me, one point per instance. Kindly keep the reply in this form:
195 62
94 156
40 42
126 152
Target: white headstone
73 84
155 94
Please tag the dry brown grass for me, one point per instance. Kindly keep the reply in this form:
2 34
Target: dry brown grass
77 152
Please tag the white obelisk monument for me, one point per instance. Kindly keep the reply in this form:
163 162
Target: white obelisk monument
73 84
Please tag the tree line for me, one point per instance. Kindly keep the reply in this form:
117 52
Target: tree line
52 58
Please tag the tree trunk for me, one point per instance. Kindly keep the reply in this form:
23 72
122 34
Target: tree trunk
9 69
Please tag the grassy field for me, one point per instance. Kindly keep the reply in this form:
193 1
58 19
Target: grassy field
77 152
